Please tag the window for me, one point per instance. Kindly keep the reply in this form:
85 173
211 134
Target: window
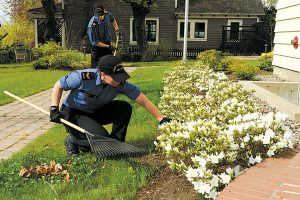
197 30
234 25
152 30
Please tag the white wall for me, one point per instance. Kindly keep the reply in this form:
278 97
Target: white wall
287 27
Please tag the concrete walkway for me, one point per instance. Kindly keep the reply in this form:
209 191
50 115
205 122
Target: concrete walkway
20 123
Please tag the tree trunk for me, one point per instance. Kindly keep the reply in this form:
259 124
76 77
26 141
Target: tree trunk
139 14
50 9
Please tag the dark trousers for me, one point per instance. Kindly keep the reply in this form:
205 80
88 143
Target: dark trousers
98 52
116 112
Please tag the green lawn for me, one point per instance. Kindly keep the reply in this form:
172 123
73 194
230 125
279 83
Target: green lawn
22 80
90 179
253 62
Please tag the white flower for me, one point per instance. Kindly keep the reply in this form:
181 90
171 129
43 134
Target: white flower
252 160
258 159
266 139
213 194
237 170
256 138
202 187
191 173
202 162
270 153
221 155
280 116
214 182
214 159
269 118
242 145
246 138
270 133
287 134
225 178
168 147
229 170
234 146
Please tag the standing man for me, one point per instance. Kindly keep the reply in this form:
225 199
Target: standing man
91 103
99 33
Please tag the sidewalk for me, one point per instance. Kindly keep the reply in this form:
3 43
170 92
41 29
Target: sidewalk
274 179
20 123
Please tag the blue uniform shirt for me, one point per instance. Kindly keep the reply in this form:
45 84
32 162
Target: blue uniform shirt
99 31
89 94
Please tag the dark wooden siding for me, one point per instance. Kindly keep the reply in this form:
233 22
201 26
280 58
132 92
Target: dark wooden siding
165 12
79 12
76 13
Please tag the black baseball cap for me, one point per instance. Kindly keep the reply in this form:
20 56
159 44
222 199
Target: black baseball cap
112 65
98 9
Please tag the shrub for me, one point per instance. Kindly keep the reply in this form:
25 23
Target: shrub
41 63
53 56
47 49
7 56
217 130
226 62
242 70
212 58
266 61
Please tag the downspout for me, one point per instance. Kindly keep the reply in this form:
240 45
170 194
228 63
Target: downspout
63 25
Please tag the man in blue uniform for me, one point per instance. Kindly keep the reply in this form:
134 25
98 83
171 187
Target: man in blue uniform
99 33
91 103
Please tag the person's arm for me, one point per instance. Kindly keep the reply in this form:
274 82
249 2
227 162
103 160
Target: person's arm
56 94
115 25
101 44
93 36
146 103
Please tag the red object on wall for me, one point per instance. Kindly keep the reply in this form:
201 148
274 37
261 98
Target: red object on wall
295 42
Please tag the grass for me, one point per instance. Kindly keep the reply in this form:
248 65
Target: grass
90 179
22 80
255 63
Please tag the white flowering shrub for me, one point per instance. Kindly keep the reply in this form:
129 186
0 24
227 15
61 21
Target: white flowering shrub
216 130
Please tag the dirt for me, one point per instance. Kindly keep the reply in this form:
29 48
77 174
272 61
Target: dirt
165 184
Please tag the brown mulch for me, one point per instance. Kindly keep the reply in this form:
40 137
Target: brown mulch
165 184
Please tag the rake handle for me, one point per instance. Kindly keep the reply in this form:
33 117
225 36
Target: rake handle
48 113
116 44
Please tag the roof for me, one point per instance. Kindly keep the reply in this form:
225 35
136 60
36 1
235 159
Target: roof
241 7
40 11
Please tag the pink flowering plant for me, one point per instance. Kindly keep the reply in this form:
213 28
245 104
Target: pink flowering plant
217 130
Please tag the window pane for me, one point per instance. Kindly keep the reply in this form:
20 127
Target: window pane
181 31
133 31
199 30
234 30
151 30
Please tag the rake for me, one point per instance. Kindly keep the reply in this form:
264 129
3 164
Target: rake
117 42
103 147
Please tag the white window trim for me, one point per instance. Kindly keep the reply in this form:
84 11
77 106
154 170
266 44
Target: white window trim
157 30
176 4
192 27
240 21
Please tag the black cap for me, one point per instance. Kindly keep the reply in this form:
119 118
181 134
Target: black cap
98 9
111 65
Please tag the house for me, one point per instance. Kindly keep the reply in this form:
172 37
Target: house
286 59
212 23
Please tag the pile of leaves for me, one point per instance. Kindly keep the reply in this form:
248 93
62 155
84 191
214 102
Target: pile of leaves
44 169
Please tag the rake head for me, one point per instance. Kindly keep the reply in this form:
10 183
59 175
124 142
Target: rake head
105 147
